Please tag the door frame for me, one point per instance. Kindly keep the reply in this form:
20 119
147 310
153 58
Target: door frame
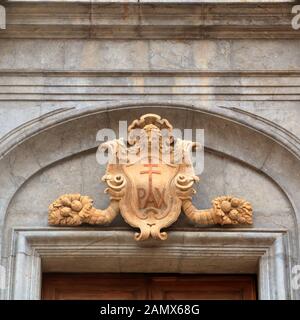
211 251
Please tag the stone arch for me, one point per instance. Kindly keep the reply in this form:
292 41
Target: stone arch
41 143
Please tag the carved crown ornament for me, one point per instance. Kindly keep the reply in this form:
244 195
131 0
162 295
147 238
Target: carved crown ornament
149 188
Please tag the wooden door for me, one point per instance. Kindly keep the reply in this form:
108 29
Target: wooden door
147 286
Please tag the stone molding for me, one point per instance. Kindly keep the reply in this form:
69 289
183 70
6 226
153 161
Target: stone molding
97 86
145 20
58 249
63 115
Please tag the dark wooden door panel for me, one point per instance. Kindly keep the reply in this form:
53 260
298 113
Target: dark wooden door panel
203 288
93 287
147 286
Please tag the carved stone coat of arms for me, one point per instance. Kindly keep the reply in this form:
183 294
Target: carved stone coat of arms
150 182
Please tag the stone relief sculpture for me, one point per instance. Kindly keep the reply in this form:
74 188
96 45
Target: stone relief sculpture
148 191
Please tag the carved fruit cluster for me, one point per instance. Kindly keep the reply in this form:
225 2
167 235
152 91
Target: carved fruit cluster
231 210
69 209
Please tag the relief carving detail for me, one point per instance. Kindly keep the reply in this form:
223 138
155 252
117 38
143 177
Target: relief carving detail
146 190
